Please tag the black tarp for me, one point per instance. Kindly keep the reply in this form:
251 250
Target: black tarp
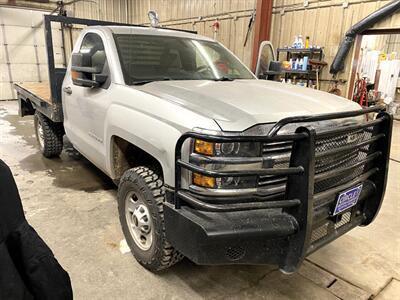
28 268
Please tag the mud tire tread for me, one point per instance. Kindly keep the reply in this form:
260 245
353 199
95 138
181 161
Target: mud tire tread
53 135
152 187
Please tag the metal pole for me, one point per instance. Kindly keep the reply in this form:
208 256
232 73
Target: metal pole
262 27
8 62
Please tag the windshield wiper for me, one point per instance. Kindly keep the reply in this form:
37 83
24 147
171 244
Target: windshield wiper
224 78
142 82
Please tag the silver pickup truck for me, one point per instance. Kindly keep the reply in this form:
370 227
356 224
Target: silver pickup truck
211 163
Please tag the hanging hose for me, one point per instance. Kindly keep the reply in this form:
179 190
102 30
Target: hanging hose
367 22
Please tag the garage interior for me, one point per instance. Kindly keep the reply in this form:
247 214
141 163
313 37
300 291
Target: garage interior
72 204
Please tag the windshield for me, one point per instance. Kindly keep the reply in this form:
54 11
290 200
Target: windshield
146 58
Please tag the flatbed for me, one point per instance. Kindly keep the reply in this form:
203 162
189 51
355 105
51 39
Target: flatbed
37 96
39 90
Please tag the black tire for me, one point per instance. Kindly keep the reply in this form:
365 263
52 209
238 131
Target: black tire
149 189
51 139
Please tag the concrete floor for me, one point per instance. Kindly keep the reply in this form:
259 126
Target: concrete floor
73 207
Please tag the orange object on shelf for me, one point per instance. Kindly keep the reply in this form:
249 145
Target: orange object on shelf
286 65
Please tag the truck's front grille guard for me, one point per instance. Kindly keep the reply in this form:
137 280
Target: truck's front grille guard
300 200
296 170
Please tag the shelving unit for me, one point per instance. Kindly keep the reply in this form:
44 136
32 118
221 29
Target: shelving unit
312 53
301 50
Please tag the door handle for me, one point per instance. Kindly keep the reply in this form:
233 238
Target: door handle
67 90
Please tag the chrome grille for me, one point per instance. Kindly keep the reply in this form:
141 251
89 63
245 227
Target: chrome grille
277 147
279 152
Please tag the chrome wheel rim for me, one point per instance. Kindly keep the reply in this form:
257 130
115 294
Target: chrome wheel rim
40 134
139 221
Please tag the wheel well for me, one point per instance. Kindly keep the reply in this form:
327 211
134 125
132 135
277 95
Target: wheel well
27 107
125 155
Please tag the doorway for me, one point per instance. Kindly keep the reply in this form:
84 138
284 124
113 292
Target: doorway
374 77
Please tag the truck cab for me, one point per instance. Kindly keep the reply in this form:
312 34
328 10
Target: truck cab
212 163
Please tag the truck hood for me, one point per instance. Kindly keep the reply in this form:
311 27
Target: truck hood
240 104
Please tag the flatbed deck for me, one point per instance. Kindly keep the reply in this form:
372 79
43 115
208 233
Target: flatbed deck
37 96
40 90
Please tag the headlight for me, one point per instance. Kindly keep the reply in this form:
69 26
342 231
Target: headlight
224 182
242 182
203 147
244 149
229 150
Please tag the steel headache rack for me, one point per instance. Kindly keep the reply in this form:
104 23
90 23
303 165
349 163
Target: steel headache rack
292 211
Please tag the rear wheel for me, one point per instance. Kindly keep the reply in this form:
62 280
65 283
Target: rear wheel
140 205
49 135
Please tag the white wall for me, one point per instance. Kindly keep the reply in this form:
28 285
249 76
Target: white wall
22 49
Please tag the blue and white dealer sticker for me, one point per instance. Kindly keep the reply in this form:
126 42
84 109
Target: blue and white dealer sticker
347 199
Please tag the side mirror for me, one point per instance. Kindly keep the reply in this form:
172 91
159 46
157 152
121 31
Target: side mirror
83 72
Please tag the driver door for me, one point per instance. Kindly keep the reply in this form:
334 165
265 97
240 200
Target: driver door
85 107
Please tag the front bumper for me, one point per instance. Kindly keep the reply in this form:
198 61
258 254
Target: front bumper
245 237
260 230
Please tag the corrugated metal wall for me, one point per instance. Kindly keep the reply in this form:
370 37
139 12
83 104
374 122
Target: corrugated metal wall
115 10
325 22
199 15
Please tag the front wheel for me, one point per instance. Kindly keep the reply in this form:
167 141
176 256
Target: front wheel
49 135
140 206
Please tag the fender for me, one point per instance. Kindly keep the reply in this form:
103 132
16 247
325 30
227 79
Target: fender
146 132
151 124
154 137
